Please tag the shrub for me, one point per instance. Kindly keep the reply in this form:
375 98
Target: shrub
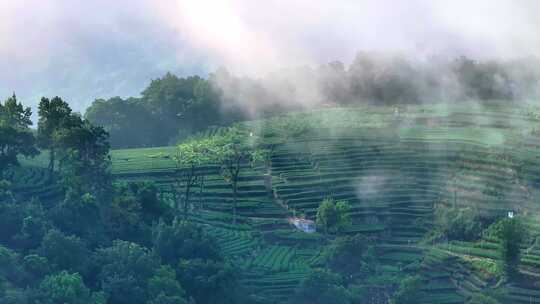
350 256
479 298
321 287
333 216
511 233
409 291
66 288
463 224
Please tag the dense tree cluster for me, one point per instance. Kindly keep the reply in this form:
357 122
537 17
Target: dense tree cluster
351 256
172 107
333 216
409 291
169 108
101 242
321 287
15 135
455 223
350 261
512 234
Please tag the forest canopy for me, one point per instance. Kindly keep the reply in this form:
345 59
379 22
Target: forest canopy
172 108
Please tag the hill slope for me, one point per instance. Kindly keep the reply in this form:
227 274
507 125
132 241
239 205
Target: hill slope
393 166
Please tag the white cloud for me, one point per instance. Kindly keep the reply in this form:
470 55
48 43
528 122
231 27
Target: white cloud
87 49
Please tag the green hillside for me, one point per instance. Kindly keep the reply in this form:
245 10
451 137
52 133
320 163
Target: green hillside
393 166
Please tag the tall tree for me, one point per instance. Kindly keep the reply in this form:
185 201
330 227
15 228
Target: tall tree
235 151
128 121
183 240
170 99
170 109
15 135
215 281
163 288
53 116
65 287
84 155
512 234
64 252
190 156
123 271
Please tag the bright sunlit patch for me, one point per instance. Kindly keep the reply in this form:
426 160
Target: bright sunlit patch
217 27
215 22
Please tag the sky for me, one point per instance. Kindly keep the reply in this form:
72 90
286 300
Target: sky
83 50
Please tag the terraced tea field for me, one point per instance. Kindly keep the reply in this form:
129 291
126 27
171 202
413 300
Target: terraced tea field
392 169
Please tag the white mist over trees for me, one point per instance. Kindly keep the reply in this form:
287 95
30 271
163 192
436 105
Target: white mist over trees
172 108
57 48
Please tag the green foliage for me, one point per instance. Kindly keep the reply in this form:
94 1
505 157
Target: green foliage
129 122
146 193
321 287
5 193
455 223
34 225
162 298
183 240
83 156
233 151
11 217
36 267
170 109
9 267
490 269
164 289
191 155
124 217
282 129
512 234
66 287
194 152
350 256
54 115
64 252
209 281
15 135
123 271
133 209
22 226
409 291
479 298
75 231
333 216
79 214
234 148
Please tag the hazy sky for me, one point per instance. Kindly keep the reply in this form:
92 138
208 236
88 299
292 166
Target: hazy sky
82 50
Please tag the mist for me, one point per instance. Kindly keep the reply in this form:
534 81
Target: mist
57 48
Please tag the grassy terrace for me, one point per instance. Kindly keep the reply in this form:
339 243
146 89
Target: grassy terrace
391 169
